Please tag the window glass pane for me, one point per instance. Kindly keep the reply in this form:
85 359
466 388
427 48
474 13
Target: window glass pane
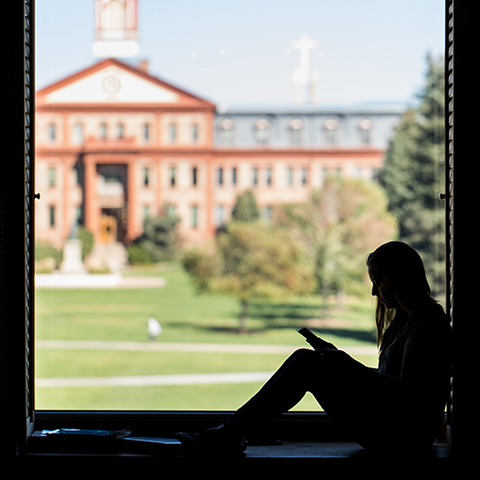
305 122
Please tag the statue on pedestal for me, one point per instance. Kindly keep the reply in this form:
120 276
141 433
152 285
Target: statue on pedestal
72 254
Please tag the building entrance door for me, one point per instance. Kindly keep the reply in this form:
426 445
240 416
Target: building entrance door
108 229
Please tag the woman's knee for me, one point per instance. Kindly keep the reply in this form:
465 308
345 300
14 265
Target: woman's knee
302 353
305 358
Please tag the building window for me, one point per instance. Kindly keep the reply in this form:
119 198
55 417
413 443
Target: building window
219 216
290 176
304 176
170 210
146 132
234 176
146 211
172 133
52 176
226 131
194 176
172 176
194 216
220 176
52 133
146 176
269 177
331 129
194 133
77 137
365 127
120 131
255 177
51 216
262 131
103 131
296 128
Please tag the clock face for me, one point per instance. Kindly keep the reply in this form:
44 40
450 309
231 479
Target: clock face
111 84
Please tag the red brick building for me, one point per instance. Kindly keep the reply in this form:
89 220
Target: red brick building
115 143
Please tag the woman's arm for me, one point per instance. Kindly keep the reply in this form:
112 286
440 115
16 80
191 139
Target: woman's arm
426 361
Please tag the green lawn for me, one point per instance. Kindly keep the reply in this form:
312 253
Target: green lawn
121 315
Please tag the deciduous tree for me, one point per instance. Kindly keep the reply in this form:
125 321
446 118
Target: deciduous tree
339 225
250 261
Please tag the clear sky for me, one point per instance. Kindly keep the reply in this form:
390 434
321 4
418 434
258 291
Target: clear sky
234 51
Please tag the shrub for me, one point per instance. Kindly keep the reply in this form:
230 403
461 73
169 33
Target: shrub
159 241
47 257
138 255
87 239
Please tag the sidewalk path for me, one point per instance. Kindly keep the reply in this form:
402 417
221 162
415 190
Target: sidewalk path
149 380
183 379
108 280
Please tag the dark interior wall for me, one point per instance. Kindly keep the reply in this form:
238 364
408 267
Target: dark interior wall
13 298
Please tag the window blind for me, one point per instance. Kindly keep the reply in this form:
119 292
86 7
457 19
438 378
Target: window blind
449 164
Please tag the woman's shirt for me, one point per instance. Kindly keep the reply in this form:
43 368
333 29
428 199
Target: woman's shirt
424 382
430 322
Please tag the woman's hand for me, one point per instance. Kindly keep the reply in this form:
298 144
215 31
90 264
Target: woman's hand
321 344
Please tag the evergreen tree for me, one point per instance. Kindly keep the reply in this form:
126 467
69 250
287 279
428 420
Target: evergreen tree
413 174
160 238
245 209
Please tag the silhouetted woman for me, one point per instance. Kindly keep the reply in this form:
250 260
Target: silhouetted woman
399 405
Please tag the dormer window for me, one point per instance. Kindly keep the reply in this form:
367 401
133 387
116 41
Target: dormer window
296 129
331 129
365 127
262 131
226 131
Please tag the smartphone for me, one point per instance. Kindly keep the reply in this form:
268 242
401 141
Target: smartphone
313 340
308 334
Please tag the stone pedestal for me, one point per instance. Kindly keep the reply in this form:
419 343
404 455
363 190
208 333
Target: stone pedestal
72 257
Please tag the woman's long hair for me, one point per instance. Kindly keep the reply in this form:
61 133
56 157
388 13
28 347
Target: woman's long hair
401 271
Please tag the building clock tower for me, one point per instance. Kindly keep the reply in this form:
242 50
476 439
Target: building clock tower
116 34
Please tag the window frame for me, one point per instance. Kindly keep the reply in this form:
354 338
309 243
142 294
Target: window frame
19 419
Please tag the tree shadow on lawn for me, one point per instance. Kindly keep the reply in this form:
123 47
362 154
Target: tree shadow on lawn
316 318
288 316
